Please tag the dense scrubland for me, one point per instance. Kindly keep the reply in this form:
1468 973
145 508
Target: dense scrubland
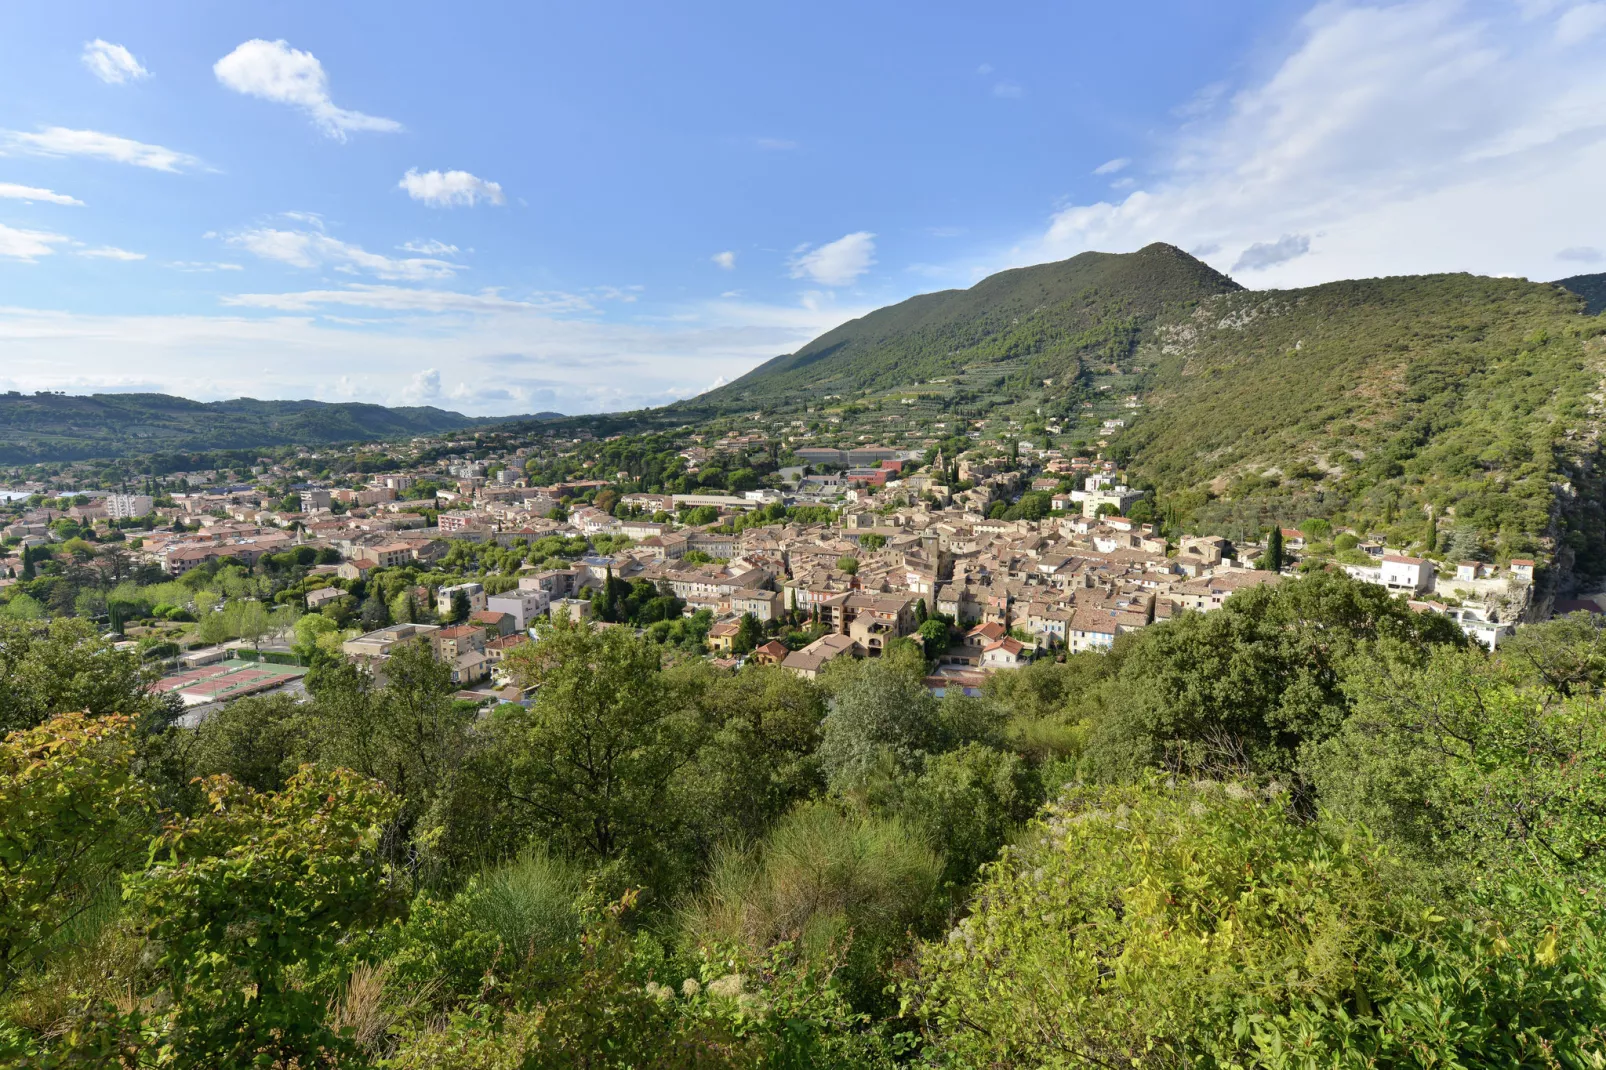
1311 828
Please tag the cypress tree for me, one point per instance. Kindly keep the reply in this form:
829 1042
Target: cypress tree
1274 550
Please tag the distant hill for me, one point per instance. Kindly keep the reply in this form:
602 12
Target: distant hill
1592 288
1040 321
59 427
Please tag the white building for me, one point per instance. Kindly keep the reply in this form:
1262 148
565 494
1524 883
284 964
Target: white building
128 506
1399 573
523 605
473 591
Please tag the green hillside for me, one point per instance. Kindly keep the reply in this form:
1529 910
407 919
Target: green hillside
1045 321
1372 400
56 427
1592 288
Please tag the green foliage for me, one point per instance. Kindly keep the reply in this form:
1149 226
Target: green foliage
825 880
1471 761
62 666
243 899
67 799
1252 683
1204 926
591 762
882 720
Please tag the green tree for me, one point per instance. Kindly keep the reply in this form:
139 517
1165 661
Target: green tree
749 633
1274 550
460 607
591 763
883 721
848 564
70 809
934 634
64 665
251 897
375 614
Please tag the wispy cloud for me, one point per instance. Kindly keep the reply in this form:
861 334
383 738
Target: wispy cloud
28 245
311 249
1581 254
272 70
1008 90
112 64
836 263
110 252
59 141
407 299
775 144
1418 136
429 248
1262 255
726 259
204 265
33 193
1109 167
445 189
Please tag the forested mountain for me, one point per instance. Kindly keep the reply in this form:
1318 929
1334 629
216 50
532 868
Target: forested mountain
1592 288
1377 400
1421 406
1092 306
55 427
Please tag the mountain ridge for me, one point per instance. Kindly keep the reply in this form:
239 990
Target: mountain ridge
67 427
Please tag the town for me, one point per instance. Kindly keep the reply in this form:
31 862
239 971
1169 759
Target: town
742 545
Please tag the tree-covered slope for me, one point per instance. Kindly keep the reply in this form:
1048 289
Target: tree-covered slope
1592 288
1092 305
1374 400
50 427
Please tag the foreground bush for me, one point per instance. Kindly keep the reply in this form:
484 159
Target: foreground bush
1204 927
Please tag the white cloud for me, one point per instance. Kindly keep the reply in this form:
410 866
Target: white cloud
406 299
34 193
985 69
112 64
27 245
1579 24
111 252
1109 167
203 265
1008 90
513 360
59 141
272 70
836 263
425 387
311 249
444 189
726 259
429 248
1410 137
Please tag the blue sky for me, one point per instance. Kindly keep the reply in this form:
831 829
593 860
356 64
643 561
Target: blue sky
507 208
